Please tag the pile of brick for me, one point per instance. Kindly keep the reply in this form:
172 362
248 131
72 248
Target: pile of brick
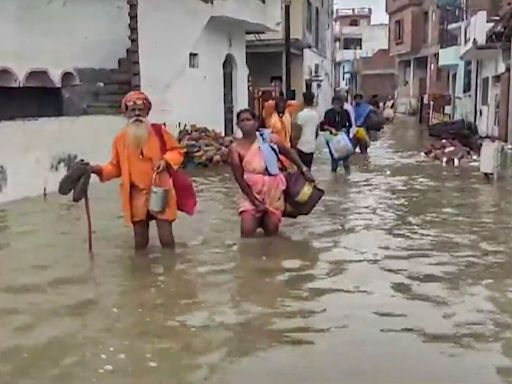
204 147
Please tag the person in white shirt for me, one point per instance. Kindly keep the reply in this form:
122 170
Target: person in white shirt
309 120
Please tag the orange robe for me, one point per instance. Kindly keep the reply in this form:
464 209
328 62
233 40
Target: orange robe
281 127
292 107
136 172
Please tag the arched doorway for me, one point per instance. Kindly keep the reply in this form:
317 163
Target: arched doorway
229 71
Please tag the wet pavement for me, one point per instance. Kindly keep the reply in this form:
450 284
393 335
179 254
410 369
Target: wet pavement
402 275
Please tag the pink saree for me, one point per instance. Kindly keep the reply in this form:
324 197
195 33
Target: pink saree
268 189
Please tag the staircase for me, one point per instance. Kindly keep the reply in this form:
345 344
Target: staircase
116 83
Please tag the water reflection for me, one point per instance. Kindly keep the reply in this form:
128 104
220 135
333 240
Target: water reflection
401 275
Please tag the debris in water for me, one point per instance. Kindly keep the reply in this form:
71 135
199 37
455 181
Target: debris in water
103 356
108 368
115 310
121 356
148 355
152 364
111 349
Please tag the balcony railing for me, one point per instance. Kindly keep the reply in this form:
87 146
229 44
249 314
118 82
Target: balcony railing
361 11
451 15
448 38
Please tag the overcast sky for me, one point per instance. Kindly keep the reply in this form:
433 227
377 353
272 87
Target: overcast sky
378 7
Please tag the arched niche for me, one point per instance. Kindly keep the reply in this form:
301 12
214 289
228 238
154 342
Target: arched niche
8 78
69 79
38 78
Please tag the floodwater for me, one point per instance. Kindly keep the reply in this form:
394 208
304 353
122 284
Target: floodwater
402 275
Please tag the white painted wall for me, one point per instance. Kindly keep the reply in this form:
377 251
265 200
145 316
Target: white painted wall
485 114
28 148
374 37
62 34
169 32
325 91
475 29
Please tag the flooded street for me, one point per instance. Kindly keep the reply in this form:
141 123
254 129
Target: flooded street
401 275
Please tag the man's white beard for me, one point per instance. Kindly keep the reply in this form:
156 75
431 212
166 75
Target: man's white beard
138 132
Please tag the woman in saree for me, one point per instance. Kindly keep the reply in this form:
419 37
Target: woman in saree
256 168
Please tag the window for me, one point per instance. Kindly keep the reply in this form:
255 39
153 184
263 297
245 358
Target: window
467 33
308 85
309 20
426 27
193 60
467 76
399 31
317 28
30 102
352 43
484 91
354 23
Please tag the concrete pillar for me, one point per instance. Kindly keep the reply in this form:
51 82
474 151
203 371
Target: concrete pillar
509 125
411 80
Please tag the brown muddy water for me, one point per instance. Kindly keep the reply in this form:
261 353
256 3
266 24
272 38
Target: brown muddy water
402 275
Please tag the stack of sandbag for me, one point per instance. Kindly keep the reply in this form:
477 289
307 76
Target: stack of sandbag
460 130
449 151
204 147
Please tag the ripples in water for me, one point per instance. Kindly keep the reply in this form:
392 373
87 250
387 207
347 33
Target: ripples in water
401 275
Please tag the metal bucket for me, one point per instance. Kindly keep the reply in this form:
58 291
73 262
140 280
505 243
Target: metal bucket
158 198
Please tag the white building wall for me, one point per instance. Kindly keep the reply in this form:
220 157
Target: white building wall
28 161
486 113
375 37
324 92
61 35
169 32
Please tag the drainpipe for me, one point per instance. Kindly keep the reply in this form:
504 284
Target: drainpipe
509 125
287 48
411 82
475 95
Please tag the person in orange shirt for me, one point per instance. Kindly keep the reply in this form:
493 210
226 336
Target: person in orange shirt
278 116
138 159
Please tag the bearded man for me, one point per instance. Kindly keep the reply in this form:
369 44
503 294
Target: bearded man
139 158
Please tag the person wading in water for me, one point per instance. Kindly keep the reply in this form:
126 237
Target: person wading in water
138 160
336 120
308 119
255 166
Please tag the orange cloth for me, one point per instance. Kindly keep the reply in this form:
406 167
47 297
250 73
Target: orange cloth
136 97
281 127
136 173
292 107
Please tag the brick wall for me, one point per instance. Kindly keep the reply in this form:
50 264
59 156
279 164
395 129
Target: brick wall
381 60
383 85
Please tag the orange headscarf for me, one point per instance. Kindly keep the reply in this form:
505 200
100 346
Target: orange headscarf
135 97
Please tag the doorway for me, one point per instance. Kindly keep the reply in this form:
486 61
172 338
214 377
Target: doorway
229 71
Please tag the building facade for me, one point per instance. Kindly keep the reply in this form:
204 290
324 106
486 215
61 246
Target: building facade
479 66
311 53
65 66
355 38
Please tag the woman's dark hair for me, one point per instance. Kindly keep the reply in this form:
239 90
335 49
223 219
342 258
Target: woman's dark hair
244 111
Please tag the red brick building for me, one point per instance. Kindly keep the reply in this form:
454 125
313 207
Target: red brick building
414 27
376 75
